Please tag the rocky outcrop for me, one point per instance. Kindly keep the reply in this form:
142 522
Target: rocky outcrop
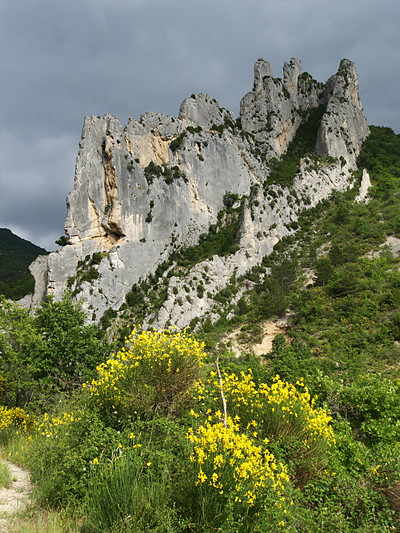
147 190
275 108
343 126
204 112
362 196
267 216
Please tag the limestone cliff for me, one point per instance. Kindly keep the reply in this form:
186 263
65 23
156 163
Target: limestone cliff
147 191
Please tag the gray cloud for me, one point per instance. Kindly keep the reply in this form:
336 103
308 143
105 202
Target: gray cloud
61 61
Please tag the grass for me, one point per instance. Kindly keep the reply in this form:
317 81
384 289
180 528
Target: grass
43 521
5 475
126 497
35 519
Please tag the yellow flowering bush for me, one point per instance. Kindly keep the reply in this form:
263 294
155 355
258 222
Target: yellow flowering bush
281 408
278 410
15 418
236 477
151 374
229 460
283 413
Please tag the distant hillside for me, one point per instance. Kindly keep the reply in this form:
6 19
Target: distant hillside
16 255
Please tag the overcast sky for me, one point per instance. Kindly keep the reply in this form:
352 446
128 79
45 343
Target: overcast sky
64 59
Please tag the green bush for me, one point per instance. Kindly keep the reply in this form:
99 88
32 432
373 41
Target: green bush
52 352
230 199
60 452
62 241
71 349
177 143
371 405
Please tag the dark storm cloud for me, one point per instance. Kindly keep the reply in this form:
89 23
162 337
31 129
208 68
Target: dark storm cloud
63 60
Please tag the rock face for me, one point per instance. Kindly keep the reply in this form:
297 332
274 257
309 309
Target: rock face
275 108
343 126
147 190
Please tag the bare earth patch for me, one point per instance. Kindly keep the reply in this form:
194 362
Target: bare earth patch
270 329
14 498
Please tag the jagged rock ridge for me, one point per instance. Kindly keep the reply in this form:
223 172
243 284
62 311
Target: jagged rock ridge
144 191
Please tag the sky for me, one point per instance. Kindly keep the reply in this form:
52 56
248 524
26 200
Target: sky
62 60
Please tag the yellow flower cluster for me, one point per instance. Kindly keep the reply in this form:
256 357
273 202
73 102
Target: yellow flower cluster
280 407
229 460
230 450
151 364
49 426
15 417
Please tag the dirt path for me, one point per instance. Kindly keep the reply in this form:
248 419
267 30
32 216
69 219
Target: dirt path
14 498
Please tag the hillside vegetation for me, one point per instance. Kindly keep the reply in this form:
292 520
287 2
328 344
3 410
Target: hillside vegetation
16 255
170 432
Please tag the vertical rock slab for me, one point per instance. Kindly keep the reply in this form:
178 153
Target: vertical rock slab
343 126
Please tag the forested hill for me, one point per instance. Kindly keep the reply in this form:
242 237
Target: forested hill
16 255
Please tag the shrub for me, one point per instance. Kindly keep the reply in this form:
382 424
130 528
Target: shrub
235 475
13 421
240 481
230 198
151 374
61 449
52 352
370 404
177 143
71 350
282 413
62 241
20 343
125 496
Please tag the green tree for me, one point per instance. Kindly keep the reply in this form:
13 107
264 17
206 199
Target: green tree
49 353
276 288
71 349
324 270
62 241
19 345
